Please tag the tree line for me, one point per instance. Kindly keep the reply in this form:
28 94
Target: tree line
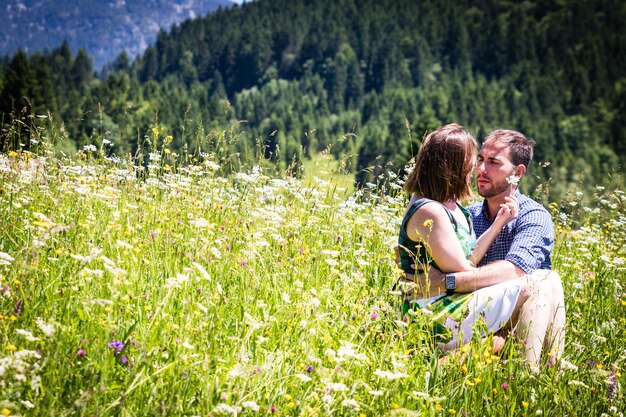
364 79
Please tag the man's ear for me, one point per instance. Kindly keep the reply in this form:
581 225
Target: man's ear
520 170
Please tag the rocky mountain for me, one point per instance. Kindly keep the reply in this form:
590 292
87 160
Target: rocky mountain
103 27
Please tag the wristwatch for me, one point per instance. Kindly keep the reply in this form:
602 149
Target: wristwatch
450 283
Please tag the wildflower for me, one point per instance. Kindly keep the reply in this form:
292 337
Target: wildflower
513 179
612 382
223 408
27 404
374 316
390 375
124 360
525 404
303 377
117 346
504 385
27 335
81 352
11 347
251 405
352 404
309 368
5 412
5 258
273 409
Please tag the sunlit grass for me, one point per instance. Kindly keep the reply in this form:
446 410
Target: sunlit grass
192 293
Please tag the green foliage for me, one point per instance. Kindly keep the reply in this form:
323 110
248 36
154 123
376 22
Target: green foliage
305 75
132 287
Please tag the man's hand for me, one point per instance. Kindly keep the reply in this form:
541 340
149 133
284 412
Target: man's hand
429 283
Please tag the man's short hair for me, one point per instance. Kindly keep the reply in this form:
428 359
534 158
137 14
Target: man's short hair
520 147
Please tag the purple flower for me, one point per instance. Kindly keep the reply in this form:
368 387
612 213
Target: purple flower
124 359
504 385
309 368
81 352
5 288
153 234
272 409
612 393
374 315
117 346
222 228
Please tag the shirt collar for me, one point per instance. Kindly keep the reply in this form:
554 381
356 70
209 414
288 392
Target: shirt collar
484 210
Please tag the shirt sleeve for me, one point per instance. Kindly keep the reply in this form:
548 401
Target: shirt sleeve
533 241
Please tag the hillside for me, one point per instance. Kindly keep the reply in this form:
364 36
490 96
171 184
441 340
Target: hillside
103 27
195 294
362 79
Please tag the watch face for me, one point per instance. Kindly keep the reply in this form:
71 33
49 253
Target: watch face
450 282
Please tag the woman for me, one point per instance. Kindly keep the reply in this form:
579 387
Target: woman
437 231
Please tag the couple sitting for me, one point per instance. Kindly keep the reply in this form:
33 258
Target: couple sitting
502 279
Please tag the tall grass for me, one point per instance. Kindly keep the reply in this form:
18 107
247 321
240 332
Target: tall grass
177 289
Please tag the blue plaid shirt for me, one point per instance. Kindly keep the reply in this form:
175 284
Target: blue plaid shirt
526 242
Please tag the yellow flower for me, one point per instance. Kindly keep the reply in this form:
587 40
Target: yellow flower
438 407
451 411
525 404
13 318
469 383
5 412
463 369
11 347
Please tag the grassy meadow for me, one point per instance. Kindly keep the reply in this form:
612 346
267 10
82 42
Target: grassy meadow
190 290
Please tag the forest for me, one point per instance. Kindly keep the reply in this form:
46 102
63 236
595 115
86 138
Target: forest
363 79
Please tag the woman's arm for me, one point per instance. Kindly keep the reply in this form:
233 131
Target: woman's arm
508 211
431 225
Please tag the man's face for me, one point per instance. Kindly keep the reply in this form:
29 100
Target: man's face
494 165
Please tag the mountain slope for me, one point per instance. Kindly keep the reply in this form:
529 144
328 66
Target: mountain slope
103 27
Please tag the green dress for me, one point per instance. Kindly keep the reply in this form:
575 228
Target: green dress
444 311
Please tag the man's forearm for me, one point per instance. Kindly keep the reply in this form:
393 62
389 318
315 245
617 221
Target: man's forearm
487 275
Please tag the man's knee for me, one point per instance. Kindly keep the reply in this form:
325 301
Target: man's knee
547 280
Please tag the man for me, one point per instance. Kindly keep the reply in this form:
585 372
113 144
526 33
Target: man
520 255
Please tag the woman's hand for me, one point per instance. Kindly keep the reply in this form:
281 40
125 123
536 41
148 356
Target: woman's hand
508 211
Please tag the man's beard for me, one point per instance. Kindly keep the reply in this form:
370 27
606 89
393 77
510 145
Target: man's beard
496 189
